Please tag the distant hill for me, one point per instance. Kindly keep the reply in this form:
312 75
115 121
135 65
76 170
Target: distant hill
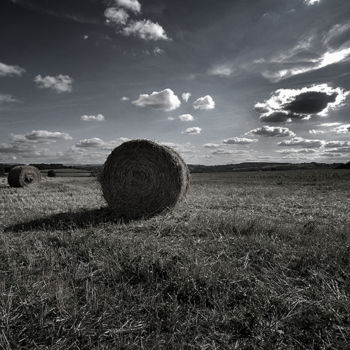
261 166
197 168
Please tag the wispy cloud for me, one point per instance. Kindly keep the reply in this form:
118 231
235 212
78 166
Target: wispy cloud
238 141
186 96
97 118
271 131
300 141
5 98
8 70
222 70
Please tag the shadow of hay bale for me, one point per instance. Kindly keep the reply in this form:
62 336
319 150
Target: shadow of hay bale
62 221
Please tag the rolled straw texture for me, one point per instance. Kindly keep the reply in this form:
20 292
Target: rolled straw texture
23 175
141 178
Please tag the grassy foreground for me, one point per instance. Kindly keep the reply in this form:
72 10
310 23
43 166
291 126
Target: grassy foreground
257 260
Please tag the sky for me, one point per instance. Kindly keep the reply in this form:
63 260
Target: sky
220 81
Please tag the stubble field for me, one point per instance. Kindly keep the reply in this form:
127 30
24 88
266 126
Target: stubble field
256 260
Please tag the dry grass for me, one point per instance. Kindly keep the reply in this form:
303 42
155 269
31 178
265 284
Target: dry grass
249 261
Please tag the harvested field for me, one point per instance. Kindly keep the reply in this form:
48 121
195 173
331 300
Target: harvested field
256 260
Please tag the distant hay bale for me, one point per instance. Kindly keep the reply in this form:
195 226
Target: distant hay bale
23 175
141 178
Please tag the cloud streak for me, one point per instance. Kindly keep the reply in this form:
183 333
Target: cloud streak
271 131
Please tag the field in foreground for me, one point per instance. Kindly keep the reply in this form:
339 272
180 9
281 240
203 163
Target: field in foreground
257 260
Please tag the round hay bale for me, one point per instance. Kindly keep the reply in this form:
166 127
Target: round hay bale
141 178
23 175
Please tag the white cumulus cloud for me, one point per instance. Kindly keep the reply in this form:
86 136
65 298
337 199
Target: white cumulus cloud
132 5
146 30
193 131
60 83
164 100
204 103
97 118
116 16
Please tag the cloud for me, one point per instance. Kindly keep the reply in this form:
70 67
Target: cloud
222 70
330 124
342 129
300 141
11 148
186 117
26 145
238 141
181 148
164 100
311 2
339 150
47 135
132 5
330 144
211 145
316 132
5 98
8 70
116 16
298 104
93 142
158 51
311 53
186 96
60 83
195 130
294 151
220 151
146 30
97 118
204 103
124 99
271 131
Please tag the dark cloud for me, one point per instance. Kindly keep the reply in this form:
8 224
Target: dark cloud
279 117
311 102
298 104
